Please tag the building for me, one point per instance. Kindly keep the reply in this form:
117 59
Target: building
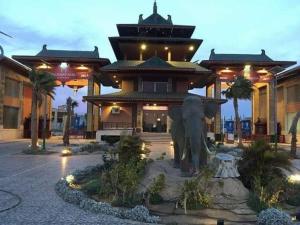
154 72
57 119
288 100
261 70
74 69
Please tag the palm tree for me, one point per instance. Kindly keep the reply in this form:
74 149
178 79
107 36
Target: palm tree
43 83
71 104
241 88
293 131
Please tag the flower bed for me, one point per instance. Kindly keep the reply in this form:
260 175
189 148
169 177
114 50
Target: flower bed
77 197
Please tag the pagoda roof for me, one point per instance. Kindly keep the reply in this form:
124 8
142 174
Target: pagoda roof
241 59
57 56
118 43
154 63
68 53
134 96
155 18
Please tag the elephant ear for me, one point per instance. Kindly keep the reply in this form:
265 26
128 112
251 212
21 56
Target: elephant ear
210 109
175 113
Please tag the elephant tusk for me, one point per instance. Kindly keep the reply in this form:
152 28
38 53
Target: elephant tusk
207 149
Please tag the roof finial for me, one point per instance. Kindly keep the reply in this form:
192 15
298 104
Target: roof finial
155 7
263 52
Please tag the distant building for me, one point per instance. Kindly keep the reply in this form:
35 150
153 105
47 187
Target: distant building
57 119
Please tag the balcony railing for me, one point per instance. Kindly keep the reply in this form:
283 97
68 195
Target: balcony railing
115 125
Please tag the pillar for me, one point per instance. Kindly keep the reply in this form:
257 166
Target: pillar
217 124
139 118
169 56
93 117
2 89
255 108
169 123
271 117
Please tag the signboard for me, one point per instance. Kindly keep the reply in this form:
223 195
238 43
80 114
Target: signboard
67 73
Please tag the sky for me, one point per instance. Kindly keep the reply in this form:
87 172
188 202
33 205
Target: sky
228 26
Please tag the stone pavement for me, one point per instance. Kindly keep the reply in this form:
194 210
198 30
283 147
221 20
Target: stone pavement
32 178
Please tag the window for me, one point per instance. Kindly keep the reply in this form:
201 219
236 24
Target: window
12 88
10 117
293 93
151 86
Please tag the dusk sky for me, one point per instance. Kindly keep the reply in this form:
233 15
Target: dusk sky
228 26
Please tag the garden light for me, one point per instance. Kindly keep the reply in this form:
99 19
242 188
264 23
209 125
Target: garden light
70 179
66 152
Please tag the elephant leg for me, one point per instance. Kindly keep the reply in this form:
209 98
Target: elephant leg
176 155
195 150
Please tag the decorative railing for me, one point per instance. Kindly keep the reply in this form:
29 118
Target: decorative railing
115 125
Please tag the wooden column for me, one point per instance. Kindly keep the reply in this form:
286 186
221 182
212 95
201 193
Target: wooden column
270 109
139 122
255 107
2 89
218 127
93 112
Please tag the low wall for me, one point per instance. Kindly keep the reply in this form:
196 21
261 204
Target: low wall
112 132
8 134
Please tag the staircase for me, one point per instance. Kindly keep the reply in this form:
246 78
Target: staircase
156 137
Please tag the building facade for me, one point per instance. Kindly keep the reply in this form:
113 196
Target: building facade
288 100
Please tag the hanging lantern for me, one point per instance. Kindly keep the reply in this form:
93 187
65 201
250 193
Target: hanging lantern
226 74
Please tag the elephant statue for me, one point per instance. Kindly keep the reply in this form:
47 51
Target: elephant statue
189 132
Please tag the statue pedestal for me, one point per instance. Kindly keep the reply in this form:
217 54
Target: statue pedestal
226 166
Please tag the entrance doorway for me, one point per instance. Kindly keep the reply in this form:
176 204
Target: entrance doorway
155 119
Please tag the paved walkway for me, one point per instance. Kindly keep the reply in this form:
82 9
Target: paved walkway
32 179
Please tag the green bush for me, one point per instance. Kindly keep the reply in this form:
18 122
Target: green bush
155 188
92 187
292 194
132 148
260 160
194 194
121 182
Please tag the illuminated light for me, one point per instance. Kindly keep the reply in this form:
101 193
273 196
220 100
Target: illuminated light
143 47
191 48
147 104
262 71
166 48
43 66
63 65
70 179
117 81
171 143
158 119
192 83
114 76
156 108
66 152
294 179
82 67
154 104
114 103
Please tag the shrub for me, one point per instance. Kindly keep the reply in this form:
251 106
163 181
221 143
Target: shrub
92 187
273 216
194 194
132 148
155 188
260 160
121 182
292 194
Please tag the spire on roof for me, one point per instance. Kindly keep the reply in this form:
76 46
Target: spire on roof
154 7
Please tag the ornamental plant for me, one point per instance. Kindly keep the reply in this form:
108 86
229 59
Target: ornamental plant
274 216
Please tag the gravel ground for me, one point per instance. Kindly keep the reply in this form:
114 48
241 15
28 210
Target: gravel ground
32 178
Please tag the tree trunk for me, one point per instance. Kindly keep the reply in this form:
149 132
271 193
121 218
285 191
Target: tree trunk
45 122
293 131
238 122
34 121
